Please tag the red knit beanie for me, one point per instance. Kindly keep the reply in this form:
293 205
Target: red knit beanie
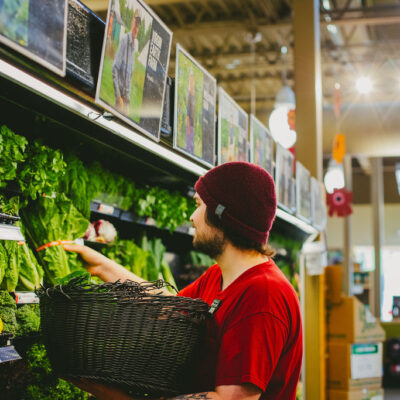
243 196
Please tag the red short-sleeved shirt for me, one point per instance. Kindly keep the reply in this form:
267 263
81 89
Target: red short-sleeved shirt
255 336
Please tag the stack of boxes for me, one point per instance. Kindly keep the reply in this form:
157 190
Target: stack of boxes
355 348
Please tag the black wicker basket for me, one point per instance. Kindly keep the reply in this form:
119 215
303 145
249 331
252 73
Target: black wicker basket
123 334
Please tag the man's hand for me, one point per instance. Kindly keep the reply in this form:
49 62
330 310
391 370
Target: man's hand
104 268
93 260
246 391
99 390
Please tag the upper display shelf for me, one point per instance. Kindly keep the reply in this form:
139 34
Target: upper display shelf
95 116
80 113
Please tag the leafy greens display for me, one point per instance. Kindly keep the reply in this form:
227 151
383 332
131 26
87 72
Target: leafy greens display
47 220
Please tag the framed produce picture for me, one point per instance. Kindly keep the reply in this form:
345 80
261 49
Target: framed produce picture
261 145
303 196
232 130
134 65
37 29
318 205
284 182
195 104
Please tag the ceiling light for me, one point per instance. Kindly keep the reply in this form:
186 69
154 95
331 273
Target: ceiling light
397 174
326 4
364 85
332 28
279 126
285 97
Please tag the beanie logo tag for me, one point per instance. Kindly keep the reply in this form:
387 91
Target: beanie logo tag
219 210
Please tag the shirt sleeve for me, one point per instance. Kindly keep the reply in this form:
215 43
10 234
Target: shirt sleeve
250 351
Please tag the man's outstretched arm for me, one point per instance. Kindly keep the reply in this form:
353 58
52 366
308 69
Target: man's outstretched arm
224 392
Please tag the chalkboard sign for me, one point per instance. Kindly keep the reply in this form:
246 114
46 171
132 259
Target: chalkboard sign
36 29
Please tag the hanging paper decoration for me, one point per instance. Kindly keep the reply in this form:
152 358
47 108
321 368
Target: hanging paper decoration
339 202
292 119
339 147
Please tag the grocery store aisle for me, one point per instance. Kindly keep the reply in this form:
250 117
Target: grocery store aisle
392 394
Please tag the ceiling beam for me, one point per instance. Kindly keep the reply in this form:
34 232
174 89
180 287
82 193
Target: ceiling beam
239 27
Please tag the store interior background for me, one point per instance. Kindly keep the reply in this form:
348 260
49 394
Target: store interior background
250 46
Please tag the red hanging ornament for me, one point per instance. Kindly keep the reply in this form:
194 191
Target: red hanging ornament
339 202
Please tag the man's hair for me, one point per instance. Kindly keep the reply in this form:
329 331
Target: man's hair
138 21
236 239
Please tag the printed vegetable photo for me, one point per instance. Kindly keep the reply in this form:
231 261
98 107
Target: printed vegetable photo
195 104
134 65
261 145
124 65
232 130
36 29
190 106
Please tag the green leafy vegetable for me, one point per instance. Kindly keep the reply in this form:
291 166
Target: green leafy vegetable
12 153
47 220
9 206
42 171
3 262
7 312
198 259
83 275
74 184
110 188
45 385
10 279
28 319
30 272
169 210
128 254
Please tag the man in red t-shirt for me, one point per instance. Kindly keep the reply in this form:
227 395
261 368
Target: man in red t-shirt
253 348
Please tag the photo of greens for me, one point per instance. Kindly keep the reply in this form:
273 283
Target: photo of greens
262 145
36 29
195 98
134 65
303 188
232 130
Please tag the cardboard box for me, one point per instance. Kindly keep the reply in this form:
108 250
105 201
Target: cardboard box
333 279
351 322
354 366
366 394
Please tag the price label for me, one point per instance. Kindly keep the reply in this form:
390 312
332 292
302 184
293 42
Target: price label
106 209
26 298
8 353
10 232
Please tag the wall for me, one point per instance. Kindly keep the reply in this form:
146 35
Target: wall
362 227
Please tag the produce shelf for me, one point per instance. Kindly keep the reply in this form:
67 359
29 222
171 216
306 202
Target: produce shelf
90 112
158 162
127 216
8 353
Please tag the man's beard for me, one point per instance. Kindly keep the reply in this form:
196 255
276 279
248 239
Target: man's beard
213 245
